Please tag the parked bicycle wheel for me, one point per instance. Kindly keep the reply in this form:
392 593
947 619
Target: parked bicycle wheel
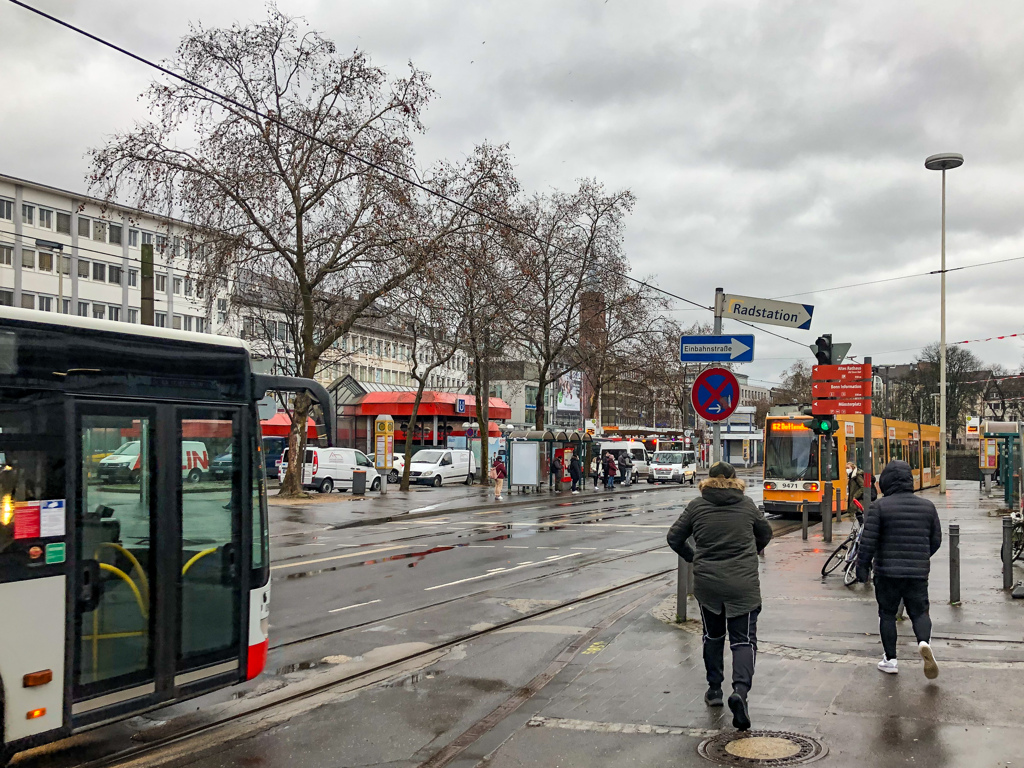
1018 542
850 574
836 559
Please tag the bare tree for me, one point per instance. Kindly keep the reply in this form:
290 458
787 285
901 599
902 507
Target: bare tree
796 384
964 381
299 171
577 242
666 373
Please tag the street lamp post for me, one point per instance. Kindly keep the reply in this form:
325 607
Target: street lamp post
943 161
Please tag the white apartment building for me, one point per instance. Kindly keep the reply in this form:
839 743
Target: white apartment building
65 252
70 253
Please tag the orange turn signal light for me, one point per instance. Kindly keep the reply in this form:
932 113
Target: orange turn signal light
32 679
33 714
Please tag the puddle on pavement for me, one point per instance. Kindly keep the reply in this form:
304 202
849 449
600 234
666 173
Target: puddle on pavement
410 680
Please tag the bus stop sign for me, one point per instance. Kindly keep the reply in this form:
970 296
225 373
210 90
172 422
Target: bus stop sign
715 394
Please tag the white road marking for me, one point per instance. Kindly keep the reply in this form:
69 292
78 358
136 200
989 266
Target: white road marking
482 546
513 546
620 550
502 571
341 557
349 607
548 547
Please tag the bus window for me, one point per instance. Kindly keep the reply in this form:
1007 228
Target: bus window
914 454
895 450
211 503
114 534
260 524
791 452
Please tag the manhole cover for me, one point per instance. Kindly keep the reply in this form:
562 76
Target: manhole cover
762 748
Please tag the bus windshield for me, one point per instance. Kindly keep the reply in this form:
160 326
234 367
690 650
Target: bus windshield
671 457
791 452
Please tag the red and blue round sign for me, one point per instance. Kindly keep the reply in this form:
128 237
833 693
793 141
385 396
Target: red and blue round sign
715 394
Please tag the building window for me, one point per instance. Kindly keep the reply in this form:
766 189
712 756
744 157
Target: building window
28 214
114 275
6 298
99 271
83 226
28 300
133 278
64 223
83 268
161 243
161 284
99 231
177 286
187 323
83 309
45 261
28 259
188 286
65 264
160 319
133 316
133 238
177 322
99 311
6 213
6 255
147 238
114 313
66 309
200 325
115 234
45 218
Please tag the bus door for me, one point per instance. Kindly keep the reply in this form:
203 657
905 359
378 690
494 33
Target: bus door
157 576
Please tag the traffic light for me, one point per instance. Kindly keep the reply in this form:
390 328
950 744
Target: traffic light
825 425
822 349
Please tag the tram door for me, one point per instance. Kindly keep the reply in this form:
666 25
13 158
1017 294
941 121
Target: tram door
157 574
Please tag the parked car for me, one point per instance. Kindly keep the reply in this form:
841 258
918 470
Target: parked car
125 464
327 469
222 466
273 448
637 450
397 466
673 466
437 466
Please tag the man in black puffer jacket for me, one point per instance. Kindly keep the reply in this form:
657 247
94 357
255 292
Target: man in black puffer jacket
901 533
729 531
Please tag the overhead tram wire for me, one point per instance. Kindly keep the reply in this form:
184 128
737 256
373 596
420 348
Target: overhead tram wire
305 134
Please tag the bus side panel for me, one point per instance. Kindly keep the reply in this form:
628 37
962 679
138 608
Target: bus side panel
32 640
259 620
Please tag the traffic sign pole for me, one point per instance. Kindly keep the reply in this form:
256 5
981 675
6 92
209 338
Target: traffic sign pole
868 443
716 428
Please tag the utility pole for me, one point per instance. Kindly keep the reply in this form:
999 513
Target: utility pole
716 429
868 442
147 314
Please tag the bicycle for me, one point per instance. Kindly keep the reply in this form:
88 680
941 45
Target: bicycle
845 556
1017 542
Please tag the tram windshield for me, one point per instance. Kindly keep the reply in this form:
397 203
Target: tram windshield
791 452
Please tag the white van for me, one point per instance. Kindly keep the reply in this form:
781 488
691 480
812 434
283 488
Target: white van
331 468
637 450
437 466
125 464
673 466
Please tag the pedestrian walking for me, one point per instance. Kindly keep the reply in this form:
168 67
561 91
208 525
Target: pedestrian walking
854 491
555 473
901 533
611 469
595 469
728 531
575 472
498 474
627 468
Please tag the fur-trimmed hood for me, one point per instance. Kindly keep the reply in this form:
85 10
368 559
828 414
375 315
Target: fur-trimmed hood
723 483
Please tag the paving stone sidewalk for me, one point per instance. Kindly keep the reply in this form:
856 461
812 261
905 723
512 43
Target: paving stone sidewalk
638 698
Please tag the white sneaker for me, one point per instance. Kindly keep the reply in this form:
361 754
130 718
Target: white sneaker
888 666
931 669
575 492
499 498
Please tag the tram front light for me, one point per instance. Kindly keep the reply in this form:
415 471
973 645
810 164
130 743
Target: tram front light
810 486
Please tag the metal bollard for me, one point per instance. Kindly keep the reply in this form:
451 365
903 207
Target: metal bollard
684 582
1007 553
839 506
954 564
826 516
803 521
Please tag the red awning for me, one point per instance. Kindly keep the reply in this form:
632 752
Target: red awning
433 404
280 424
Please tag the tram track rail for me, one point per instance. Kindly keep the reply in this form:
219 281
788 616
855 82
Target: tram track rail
370 674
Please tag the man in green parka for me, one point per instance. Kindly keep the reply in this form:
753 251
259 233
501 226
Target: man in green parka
729 531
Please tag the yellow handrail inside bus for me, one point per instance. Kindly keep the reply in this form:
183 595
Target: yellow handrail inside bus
128 580
143 580
199 556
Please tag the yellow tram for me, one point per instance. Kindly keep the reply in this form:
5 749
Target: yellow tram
795 468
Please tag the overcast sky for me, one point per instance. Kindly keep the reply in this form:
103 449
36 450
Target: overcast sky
774 147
